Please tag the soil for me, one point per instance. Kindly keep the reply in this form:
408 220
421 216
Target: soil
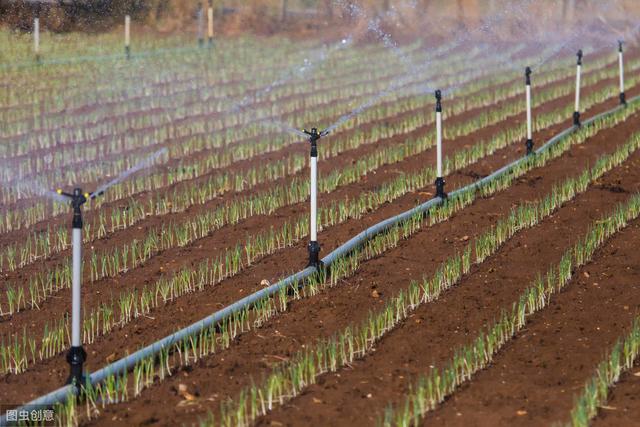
323 315
623 405
429 338
171 260
536 378
406 352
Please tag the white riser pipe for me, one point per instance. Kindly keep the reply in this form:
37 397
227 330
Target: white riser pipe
36 36
210 22
75 287
578 71
529 126
439 143
127 31
314 199
621 62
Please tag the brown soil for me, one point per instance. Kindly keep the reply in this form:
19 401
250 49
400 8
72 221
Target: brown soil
193 307
307 320
535 378
623 405
435 330
173 259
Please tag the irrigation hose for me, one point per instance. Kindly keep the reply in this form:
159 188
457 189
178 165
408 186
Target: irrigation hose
127 363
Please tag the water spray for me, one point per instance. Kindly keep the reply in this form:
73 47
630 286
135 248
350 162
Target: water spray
439 179
36 38
623 99
210 25
576 112
529 143
127 36
314 247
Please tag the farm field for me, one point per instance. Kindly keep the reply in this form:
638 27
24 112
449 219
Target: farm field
512 300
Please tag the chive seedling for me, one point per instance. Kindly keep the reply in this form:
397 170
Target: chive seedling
623 99
576 112
529 143
439 179
314 247
127 36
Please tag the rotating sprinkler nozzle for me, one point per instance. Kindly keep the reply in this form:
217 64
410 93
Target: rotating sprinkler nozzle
529 143
314 246
76 355
623 99
576 112
439 179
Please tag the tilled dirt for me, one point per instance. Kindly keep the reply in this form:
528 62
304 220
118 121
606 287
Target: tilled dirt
224 375
429 338
171 260
623 404
535 379
190 308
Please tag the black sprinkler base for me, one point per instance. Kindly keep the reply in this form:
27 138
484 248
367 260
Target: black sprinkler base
440 188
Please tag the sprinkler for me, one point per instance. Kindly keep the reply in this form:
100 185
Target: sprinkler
76 355
576 112
314 247
623 99
529 143
127 36
439 179
36 38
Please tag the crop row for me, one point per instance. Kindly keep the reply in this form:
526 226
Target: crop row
138 252
151 133
134 211
133 304
427 392
333 353
621 358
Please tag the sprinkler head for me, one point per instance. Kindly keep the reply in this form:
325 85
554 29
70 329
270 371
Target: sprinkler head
579 55
438 101
527 74
314 135
76 199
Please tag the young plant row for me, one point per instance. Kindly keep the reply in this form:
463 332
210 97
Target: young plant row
431 390
595 394
165 117
279 197
102 320
289 380
135 212
332 354
38 210
91 173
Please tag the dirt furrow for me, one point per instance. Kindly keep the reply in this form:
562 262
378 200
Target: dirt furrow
192 307
535 379
429 338
623 404
329 312
173 259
